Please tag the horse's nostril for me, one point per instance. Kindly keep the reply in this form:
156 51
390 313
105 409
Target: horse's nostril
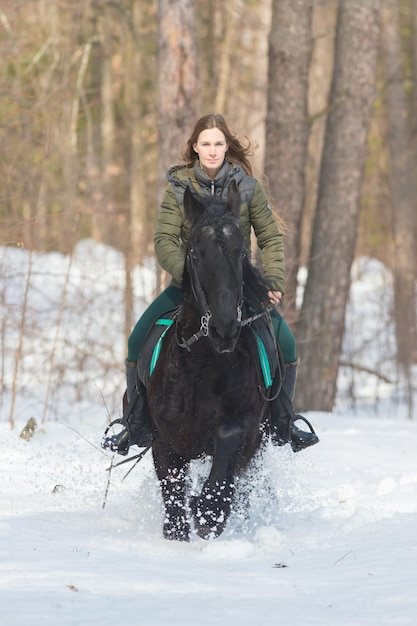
217 334
228 334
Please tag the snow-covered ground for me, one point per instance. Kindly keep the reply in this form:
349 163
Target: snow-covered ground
331 536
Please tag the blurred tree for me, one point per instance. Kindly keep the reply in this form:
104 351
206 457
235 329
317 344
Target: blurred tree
177 80
177 83
321 69
321 325
287 126
99 121
413 13
401 184
136 223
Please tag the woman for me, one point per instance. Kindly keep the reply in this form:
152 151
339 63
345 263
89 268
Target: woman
213 158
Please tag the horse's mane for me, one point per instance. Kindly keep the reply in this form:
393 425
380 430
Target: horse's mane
256 287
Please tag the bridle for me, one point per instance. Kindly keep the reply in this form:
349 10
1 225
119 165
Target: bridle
204 309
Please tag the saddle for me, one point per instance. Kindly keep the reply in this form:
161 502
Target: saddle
270 359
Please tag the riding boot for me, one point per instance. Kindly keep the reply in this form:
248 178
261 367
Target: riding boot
283 429
136 418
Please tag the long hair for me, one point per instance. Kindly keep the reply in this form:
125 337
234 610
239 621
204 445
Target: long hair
236 153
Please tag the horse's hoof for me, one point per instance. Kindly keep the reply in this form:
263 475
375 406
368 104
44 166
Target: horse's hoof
209 529
177 531
208 524
209 532
176 525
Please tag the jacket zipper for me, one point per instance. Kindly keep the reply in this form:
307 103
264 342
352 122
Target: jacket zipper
212 187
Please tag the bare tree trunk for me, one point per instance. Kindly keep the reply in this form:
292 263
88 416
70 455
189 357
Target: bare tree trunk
106 188
321 326
178 88
321 70
136 218
177 81
287 126
225 60
69 120
255 115
414 116
20 342
205 14
401 182
137 168
99 145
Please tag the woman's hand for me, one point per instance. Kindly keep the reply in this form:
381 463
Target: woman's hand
275 297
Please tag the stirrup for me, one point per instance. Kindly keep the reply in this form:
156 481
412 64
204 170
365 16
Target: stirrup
120 442
299 438
301 417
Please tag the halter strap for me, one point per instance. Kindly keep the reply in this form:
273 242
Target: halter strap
198 291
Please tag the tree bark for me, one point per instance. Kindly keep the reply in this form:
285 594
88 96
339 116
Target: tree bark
320 78
106 193
401 183
287 126
177 80
177 85
137 218
321 325
414 117
225 61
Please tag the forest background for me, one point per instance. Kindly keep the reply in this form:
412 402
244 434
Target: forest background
98 98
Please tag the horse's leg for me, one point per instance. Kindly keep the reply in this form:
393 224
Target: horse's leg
212 508
172 471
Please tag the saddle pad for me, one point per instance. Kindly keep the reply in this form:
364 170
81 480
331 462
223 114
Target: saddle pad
265 343
267 351
152 345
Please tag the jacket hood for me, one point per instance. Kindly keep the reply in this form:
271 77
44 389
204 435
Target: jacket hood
181 176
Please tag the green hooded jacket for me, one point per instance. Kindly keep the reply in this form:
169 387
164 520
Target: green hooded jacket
172 234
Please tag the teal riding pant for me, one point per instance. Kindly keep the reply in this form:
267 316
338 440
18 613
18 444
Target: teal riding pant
170 299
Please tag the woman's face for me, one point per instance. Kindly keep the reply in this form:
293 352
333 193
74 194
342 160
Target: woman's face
211 148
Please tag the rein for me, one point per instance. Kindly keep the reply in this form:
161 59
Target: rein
249 320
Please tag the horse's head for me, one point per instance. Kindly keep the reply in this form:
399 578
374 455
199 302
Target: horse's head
214 264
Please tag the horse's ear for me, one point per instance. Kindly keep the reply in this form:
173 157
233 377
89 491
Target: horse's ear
193 207
233 199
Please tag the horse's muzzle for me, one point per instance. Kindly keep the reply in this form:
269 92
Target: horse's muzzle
224 341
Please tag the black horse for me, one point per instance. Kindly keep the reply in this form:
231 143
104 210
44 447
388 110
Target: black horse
206 394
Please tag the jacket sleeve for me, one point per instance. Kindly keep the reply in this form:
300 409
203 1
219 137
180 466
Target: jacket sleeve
167 238
269 238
